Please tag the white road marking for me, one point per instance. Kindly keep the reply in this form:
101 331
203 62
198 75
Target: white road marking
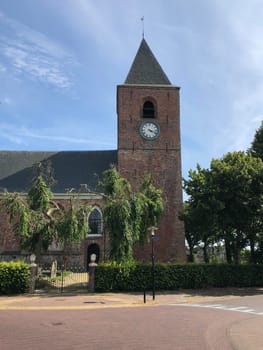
224 307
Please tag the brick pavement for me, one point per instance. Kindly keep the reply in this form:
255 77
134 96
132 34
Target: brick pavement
245 335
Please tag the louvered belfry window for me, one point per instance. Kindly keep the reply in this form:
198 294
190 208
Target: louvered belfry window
148 110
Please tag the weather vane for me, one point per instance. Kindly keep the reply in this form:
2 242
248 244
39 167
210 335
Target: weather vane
142 19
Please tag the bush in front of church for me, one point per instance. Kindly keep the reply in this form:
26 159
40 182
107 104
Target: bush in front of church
14 277
169 276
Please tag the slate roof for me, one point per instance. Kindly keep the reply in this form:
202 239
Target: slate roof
71 168
145 68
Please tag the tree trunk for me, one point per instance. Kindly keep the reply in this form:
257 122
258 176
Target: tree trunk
191 254
206 256
37 252
252 251
237 249
228 251
237 256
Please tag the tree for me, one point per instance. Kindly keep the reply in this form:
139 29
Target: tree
225 203
39 221
192 234
257 143
256 238
238 182
201 209
127 214
150 199
46 171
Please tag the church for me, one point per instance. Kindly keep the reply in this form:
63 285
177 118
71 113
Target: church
148 119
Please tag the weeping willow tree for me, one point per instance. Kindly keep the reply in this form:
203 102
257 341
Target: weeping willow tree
39 221
128 214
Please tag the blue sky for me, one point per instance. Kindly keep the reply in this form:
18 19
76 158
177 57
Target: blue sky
60 62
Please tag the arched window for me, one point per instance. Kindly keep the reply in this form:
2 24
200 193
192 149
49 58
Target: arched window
95 222
148 110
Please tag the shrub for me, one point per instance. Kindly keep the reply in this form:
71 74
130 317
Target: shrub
138 276
14 277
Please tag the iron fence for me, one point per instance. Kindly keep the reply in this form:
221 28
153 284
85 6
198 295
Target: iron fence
63 278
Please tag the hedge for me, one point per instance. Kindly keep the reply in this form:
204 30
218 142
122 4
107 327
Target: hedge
14 277
138 276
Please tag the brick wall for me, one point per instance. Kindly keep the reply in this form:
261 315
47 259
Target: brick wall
76 253
161 158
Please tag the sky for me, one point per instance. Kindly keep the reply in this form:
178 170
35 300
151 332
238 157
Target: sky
60 63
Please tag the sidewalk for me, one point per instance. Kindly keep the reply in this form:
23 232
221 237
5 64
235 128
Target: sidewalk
64 301
42 300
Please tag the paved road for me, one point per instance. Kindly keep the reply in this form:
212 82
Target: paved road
123 322
249 304
162 327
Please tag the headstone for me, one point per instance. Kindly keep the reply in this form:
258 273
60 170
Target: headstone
53 272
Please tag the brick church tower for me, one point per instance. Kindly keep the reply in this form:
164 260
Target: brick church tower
148 108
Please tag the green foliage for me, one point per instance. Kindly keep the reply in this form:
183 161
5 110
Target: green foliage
200 210
127 214
45 171
114 185
137 276
117 216
72 225
30 217
151 205
14 277
192 234
225 204
257 143
39 196
18 211
39 221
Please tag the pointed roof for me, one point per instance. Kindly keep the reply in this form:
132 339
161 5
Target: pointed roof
145 68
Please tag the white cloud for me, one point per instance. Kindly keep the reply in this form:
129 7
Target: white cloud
101 23
33 54
68 139
38 66
6 100
234 65
8 132
23 136
2 68
212 49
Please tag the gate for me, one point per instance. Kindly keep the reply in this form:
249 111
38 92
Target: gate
62 278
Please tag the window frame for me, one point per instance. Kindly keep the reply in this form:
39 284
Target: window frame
100 222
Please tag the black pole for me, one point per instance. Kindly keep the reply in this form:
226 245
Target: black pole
62 279
153 269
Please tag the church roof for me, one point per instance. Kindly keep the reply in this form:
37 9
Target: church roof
72 169
145 68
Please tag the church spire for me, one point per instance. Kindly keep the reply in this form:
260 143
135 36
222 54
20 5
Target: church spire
145 68
142 19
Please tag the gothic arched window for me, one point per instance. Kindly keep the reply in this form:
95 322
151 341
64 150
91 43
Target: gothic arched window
95 222
148 110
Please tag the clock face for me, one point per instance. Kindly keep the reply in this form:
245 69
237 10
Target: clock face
149 130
